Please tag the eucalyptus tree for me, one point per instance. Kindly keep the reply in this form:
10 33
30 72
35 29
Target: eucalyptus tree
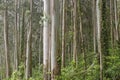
116 20
7 56
16 38
94 24
28 71
55 25
111 21
63 33
98 19
75 32
46 38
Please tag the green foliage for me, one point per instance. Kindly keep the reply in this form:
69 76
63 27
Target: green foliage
71 72
92 70
113 63
19 75
68 71
27 12
37 73
78 73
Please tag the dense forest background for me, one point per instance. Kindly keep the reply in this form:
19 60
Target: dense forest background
59 39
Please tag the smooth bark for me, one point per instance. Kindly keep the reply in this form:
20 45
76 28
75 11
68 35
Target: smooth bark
28 72
54 34
116 20
7 57
63 35
46 38
74 34
16 39
98 19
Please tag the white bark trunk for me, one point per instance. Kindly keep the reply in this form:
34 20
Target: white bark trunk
55 26
74 36
116 20
63 35
7 60
46 37
98 16
94 24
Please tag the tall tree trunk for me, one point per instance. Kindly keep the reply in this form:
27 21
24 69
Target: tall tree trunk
71 21
46 38
18 24
40 46
49 56
22 37
94 24
111 21
63 35
28 73
98 19
75 34
116 20
7 58
55 69
16 39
